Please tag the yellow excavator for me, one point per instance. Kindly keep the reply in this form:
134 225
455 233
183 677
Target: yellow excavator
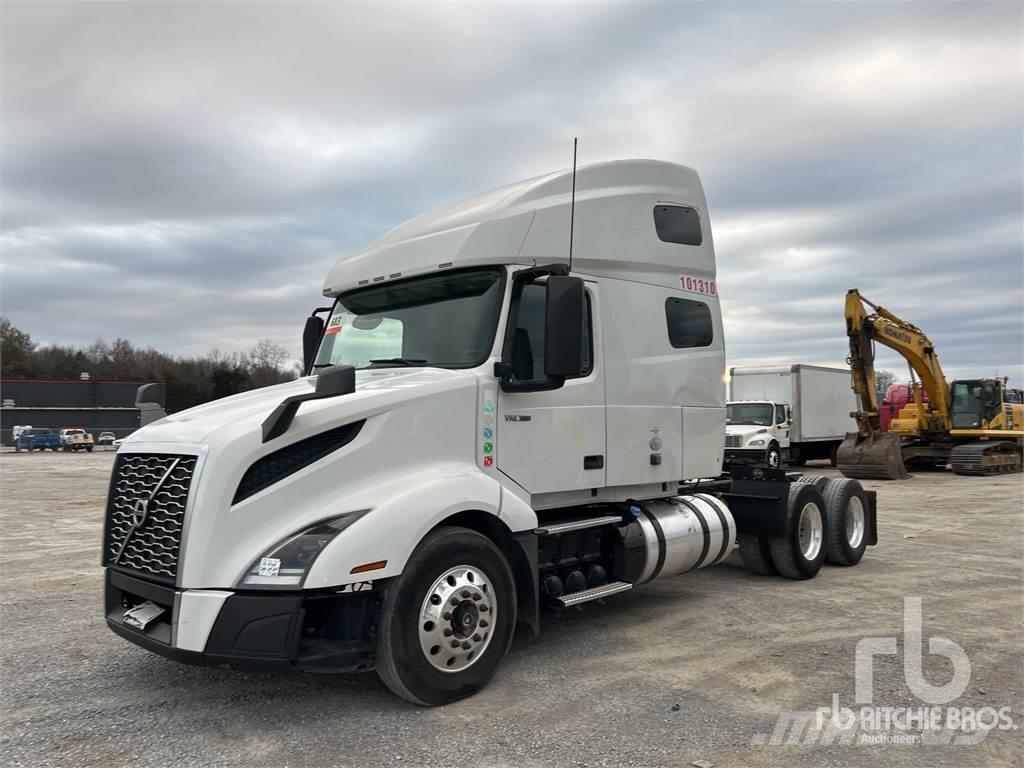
977 425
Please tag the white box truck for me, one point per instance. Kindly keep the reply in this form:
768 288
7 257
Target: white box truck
787 414
484 431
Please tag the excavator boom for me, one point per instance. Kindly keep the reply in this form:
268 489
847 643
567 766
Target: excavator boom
870 453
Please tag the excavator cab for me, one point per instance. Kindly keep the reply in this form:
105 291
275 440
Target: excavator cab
975 403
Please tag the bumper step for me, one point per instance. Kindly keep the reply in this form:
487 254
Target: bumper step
596 593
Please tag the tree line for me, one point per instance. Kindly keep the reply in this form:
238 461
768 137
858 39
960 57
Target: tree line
188 381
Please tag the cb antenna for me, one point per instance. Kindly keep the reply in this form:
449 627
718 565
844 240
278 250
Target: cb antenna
572 203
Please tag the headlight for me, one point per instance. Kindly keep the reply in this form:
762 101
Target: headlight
756 442
287 563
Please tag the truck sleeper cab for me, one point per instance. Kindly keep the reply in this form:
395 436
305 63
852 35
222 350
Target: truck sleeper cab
483 431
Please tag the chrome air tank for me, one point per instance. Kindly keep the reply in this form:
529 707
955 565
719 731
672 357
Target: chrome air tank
683 533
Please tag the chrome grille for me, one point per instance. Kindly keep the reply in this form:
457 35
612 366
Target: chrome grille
146 511
733 441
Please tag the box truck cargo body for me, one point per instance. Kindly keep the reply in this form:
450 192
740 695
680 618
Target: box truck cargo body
787 413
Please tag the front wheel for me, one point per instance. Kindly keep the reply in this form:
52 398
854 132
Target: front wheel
773 456
88 449
447 620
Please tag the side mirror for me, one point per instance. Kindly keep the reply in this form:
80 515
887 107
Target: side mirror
311 334
563 327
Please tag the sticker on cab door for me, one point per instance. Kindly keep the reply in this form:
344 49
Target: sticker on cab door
698 285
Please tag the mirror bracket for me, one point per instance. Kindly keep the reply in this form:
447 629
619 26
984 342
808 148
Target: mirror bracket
331 382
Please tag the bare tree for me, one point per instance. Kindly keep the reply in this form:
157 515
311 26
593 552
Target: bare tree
267 354
883 380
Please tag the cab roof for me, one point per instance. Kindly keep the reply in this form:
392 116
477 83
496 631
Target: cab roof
528 222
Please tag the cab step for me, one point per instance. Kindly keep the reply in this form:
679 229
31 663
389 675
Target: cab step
555 529
594 593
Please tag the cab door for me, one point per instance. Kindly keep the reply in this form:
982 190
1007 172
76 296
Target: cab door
551 440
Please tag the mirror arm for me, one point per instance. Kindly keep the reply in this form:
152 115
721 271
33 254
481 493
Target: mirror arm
333 382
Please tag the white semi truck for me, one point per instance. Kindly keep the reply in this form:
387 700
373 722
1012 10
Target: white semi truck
787 414
483 431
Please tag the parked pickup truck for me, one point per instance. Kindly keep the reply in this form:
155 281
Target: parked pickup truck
76 439
32 439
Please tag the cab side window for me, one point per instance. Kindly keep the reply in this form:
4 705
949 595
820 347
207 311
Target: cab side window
689 323
780 414
527 359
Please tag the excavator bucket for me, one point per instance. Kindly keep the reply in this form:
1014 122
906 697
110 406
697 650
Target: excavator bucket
875 457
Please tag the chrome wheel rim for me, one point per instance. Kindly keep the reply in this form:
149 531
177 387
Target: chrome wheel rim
810 531
855 522
774 459
457 619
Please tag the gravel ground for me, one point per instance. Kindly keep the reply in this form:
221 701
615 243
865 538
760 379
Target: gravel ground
691 668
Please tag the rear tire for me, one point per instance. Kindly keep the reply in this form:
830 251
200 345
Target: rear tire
800 554
88 449
818 481
407 663
756 555
846 506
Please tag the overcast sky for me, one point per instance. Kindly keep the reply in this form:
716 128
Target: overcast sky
183 175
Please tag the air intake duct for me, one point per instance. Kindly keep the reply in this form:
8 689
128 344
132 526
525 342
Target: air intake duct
673 536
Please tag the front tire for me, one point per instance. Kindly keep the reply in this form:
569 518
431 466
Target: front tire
800 554
773 456
448 619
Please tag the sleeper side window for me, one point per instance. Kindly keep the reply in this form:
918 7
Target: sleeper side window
678 224
689 323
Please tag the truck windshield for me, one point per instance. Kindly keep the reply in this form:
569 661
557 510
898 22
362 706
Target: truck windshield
445 320
749 413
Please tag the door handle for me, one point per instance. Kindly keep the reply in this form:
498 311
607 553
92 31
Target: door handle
593 462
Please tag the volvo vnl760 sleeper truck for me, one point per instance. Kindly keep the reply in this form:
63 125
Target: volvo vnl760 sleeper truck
483 432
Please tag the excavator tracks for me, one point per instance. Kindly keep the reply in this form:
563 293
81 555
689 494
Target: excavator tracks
985 459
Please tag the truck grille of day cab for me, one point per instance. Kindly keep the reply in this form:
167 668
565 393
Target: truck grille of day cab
146 512
733 441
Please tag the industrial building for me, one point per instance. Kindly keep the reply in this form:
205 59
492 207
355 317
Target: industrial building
96 406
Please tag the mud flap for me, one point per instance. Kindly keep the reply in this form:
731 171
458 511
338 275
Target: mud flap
875 457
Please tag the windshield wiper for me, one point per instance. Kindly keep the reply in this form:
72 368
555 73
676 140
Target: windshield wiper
410 361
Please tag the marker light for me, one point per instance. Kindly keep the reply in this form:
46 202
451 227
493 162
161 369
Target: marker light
287 563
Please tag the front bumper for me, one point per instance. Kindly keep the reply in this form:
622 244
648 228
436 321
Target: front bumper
315 631
745 455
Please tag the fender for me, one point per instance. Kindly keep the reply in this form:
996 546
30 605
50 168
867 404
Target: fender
393 529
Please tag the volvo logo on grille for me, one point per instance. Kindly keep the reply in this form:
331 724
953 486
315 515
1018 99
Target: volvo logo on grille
140 509
139 512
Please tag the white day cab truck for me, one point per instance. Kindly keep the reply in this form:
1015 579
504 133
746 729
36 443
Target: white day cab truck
787 414
485 432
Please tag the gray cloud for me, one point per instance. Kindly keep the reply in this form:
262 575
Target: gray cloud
184 174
